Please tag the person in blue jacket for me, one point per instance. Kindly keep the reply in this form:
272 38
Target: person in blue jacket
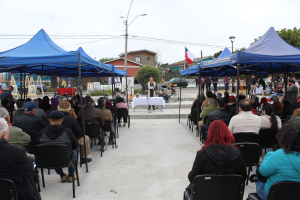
283 164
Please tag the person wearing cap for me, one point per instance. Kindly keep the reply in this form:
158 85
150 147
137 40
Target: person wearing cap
54 104
7 94
28 122
91 114
221 114
56 133
107 116
231 106
71 123
16 166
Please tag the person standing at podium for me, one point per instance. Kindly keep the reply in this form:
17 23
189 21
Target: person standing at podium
151 91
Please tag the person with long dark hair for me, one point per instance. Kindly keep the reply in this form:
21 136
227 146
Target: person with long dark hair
283 164
45 105
218 155
226 97
269 119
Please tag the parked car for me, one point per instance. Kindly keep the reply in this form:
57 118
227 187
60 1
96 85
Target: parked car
183 82
39 89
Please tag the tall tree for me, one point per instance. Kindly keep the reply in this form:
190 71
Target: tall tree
217 54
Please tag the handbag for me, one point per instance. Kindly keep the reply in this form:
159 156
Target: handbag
257 177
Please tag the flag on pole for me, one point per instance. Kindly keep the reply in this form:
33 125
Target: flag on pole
189 56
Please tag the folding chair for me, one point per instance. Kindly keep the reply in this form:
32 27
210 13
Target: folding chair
32 142
267 139
123 112
54 156
251 155
93 130
281 190
8 190
212 186
107 128
246 137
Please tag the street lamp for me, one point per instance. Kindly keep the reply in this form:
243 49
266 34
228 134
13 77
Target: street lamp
232 39
126 38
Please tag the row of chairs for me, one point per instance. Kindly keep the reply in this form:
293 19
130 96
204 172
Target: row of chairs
215 187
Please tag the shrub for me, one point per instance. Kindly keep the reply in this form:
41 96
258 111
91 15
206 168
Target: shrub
145 72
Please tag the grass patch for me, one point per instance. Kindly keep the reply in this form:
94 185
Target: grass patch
101 93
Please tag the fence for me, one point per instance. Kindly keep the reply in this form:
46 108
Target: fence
169 76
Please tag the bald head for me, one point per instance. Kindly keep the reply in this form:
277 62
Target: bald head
151 79
245 105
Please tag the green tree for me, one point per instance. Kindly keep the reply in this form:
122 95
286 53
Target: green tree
145 72
241 49
106 59
217 54
291 36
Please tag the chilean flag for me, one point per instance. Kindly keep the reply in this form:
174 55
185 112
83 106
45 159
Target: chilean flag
189 56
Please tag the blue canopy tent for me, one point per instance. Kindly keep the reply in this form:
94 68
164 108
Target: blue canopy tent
225 52
40 55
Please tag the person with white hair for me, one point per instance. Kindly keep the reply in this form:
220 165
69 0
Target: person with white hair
17 136
108 104
16 166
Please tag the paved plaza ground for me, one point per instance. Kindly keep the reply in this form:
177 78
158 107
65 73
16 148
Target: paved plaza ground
152 161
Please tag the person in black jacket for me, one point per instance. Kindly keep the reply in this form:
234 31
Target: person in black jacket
6 104
71 123
262 82
207 83
16 166
28 122
7 94
218 155
55 133
221 114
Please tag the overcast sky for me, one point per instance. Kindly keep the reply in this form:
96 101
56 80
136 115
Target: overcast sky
208 22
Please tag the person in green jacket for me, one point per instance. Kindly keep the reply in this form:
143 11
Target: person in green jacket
16 136
211 107
283 164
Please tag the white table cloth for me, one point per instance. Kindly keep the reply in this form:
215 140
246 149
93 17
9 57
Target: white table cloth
259 90
148 101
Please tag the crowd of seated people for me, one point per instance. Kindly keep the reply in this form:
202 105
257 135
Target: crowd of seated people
252 116
55 120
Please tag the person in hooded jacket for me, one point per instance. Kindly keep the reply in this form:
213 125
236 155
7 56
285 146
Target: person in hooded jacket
55 133
218 155
283 164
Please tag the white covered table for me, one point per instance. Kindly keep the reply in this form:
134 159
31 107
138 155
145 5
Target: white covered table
141 101
259 90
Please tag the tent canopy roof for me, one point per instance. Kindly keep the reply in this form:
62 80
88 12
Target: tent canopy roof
40 55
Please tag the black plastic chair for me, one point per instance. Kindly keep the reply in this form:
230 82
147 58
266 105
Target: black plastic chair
251 155
267 139
281 190
55 156
32 142
123 112
212 186
93 130
107 128
246 137
8 190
